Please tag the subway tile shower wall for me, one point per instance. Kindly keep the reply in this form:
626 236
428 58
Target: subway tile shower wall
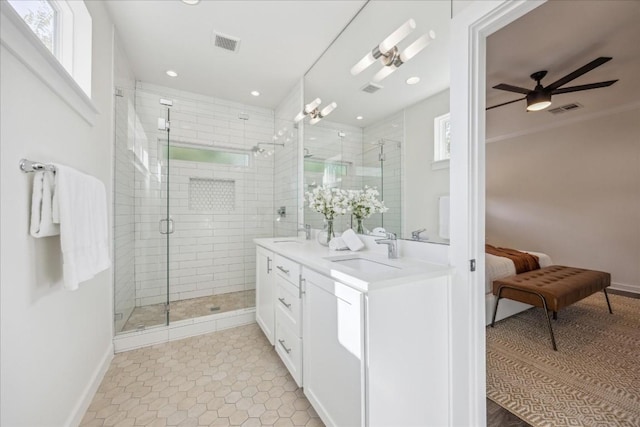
211 250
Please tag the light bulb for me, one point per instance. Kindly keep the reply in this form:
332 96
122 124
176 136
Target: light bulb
296 119
414 48
314 120
328 109
397 36
363 64
312 105
384 72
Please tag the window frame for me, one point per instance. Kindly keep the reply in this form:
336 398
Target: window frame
440 157
73 84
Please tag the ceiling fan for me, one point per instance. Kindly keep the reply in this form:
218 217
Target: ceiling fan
540 97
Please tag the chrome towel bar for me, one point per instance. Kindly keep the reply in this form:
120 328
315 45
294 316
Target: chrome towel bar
30 166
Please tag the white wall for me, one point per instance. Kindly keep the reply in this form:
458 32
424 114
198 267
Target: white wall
572 192
54 342
424 184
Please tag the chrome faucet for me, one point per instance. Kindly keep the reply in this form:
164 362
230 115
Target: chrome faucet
415 235
392 245
307 231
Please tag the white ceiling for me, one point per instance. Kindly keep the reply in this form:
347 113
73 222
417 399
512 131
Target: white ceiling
280 40
561 36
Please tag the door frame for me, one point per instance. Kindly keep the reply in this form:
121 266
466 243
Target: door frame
469 31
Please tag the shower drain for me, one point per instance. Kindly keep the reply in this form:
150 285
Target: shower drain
214 309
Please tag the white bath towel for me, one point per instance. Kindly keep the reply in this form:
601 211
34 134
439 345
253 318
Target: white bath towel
84 235
43 218
337 244
443 230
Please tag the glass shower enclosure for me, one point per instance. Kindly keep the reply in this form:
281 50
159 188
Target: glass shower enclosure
186 211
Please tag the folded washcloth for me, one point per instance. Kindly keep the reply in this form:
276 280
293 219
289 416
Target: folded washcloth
338 244
84 231
43 219
352 240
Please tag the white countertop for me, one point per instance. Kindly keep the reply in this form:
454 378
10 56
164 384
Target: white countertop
314 256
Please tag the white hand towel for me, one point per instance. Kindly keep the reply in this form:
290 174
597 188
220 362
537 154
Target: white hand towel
84 235
338 244
352 240
444 217
43 222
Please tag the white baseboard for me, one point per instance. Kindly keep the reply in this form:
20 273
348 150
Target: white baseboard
625 287
87 396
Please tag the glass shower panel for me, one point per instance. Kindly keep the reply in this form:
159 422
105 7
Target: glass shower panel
140 213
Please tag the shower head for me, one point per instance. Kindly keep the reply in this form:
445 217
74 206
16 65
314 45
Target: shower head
307 154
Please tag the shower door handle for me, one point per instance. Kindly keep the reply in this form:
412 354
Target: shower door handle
166 226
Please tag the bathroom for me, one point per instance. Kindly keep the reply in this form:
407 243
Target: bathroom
192 179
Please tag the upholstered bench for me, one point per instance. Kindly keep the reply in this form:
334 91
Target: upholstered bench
551 288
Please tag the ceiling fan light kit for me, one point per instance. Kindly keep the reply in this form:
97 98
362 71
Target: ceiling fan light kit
540 97
389 54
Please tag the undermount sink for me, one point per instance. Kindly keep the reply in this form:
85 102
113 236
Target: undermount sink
364 264
287 241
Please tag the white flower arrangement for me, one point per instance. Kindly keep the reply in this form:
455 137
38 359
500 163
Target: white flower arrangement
330 202
364 203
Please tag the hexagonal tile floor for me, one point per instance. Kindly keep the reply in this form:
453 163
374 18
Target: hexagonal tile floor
228 378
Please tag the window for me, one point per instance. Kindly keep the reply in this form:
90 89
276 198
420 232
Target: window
441 141
45 34
42 18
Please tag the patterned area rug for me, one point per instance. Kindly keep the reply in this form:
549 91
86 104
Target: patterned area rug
592 380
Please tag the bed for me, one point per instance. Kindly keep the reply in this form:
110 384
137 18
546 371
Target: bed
497 267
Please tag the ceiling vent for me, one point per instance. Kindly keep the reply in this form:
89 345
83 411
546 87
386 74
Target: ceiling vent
226 42
371 88
565 108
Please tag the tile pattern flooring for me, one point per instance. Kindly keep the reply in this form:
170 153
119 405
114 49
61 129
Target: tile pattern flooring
153 315
227 378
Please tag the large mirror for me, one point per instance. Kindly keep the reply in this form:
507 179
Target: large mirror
382 134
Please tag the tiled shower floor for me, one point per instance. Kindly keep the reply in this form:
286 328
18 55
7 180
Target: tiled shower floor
153 315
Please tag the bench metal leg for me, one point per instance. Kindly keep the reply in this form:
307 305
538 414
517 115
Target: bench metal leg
495 307
606 295
544 307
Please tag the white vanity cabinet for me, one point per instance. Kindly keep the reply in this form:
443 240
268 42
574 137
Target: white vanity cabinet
265 293
333 325
288 315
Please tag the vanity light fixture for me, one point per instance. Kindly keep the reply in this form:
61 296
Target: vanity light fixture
413 80
255 93
172 73
389 54
311 110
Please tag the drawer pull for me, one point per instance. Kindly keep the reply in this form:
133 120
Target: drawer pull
284 303
269 265
283 270
288 350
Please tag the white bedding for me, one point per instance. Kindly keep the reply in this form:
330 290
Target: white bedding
497 267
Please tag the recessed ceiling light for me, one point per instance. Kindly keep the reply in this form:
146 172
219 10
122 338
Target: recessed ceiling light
172 73
413 80
255 93
359 118
191 2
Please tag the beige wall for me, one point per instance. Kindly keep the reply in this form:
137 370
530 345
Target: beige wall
572 192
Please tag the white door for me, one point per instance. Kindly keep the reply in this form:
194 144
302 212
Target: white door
333 350
265 310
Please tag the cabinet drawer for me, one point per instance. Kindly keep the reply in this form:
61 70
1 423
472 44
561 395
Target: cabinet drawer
287 269
288 305
289 348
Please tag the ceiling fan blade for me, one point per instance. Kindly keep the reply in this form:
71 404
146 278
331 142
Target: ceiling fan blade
583 87
510 88
506 103
577 73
